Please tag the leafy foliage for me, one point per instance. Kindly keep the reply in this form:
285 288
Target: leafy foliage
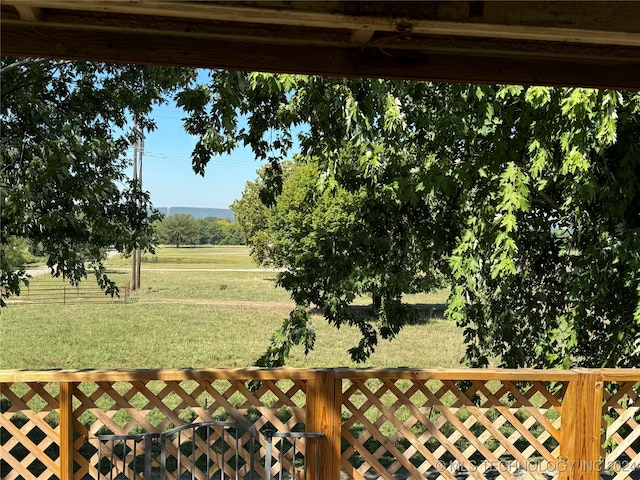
549 241
182 229
17 253
531 195
229 231
178 229
333 255
253 213
63 180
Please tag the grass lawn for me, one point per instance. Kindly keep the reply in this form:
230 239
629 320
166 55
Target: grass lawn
192 257
194 313
191 312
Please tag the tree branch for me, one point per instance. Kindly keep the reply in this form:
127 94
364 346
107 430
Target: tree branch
21 63
26 62
548 200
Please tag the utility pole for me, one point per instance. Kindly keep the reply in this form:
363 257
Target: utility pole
136 255
140 152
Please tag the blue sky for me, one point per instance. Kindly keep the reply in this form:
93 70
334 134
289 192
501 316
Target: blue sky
167 172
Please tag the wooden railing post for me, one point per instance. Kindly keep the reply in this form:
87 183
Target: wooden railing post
324 404
66 430
580 428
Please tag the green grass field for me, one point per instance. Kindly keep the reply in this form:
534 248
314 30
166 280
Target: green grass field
192 257
200 307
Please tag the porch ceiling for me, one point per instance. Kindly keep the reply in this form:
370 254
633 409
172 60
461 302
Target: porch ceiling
594 44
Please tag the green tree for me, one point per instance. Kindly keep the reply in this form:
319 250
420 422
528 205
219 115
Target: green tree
231 232
63 150
178 229
252 215
333 255
16 253
219 231
210 231
547 267
530 194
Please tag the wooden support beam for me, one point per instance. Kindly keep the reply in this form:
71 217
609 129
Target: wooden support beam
361 36
568 43
66 430
581 419
29 14
593 22
256 55
324 402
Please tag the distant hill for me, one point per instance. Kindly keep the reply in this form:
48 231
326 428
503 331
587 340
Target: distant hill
197 212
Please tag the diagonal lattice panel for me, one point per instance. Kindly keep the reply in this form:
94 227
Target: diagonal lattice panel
203 452
522 428
621 414
30 433
125 458
155 406
505 437
432 431
440 429
393 423
273 405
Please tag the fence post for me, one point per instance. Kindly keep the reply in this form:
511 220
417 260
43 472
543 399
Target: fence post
324 406
580 436
66 430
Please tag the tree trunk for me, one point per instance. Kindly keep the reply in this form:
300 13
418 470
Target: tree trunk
376 303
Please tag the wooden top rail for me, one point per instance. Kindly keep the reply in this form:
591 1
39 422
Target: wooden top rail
618 374
523 374
156 374
631 374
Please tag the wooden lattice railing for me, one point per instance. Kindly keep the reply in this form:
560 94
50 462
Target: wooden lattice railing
424 425
621 423
505 424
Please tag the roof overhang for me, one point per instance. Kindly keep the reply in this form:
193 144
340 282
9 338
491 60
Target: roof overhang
583 43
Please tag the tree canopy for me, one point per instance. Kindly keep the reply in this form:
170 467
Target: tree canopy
527 199
65 134
178 229
183 229
332 254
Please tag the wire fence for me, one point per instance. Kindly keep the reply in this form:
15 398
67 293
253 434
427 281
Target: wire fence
40 292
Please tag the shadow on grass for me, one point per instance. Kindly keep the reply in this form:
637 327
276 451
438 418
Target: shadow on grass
426 312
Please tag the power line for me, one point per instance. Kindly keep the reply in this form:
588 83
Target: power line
181 157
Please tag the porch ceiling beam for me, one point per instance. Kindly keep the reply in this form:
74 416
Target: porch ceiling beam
572 21
134 47
29 14
591 44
